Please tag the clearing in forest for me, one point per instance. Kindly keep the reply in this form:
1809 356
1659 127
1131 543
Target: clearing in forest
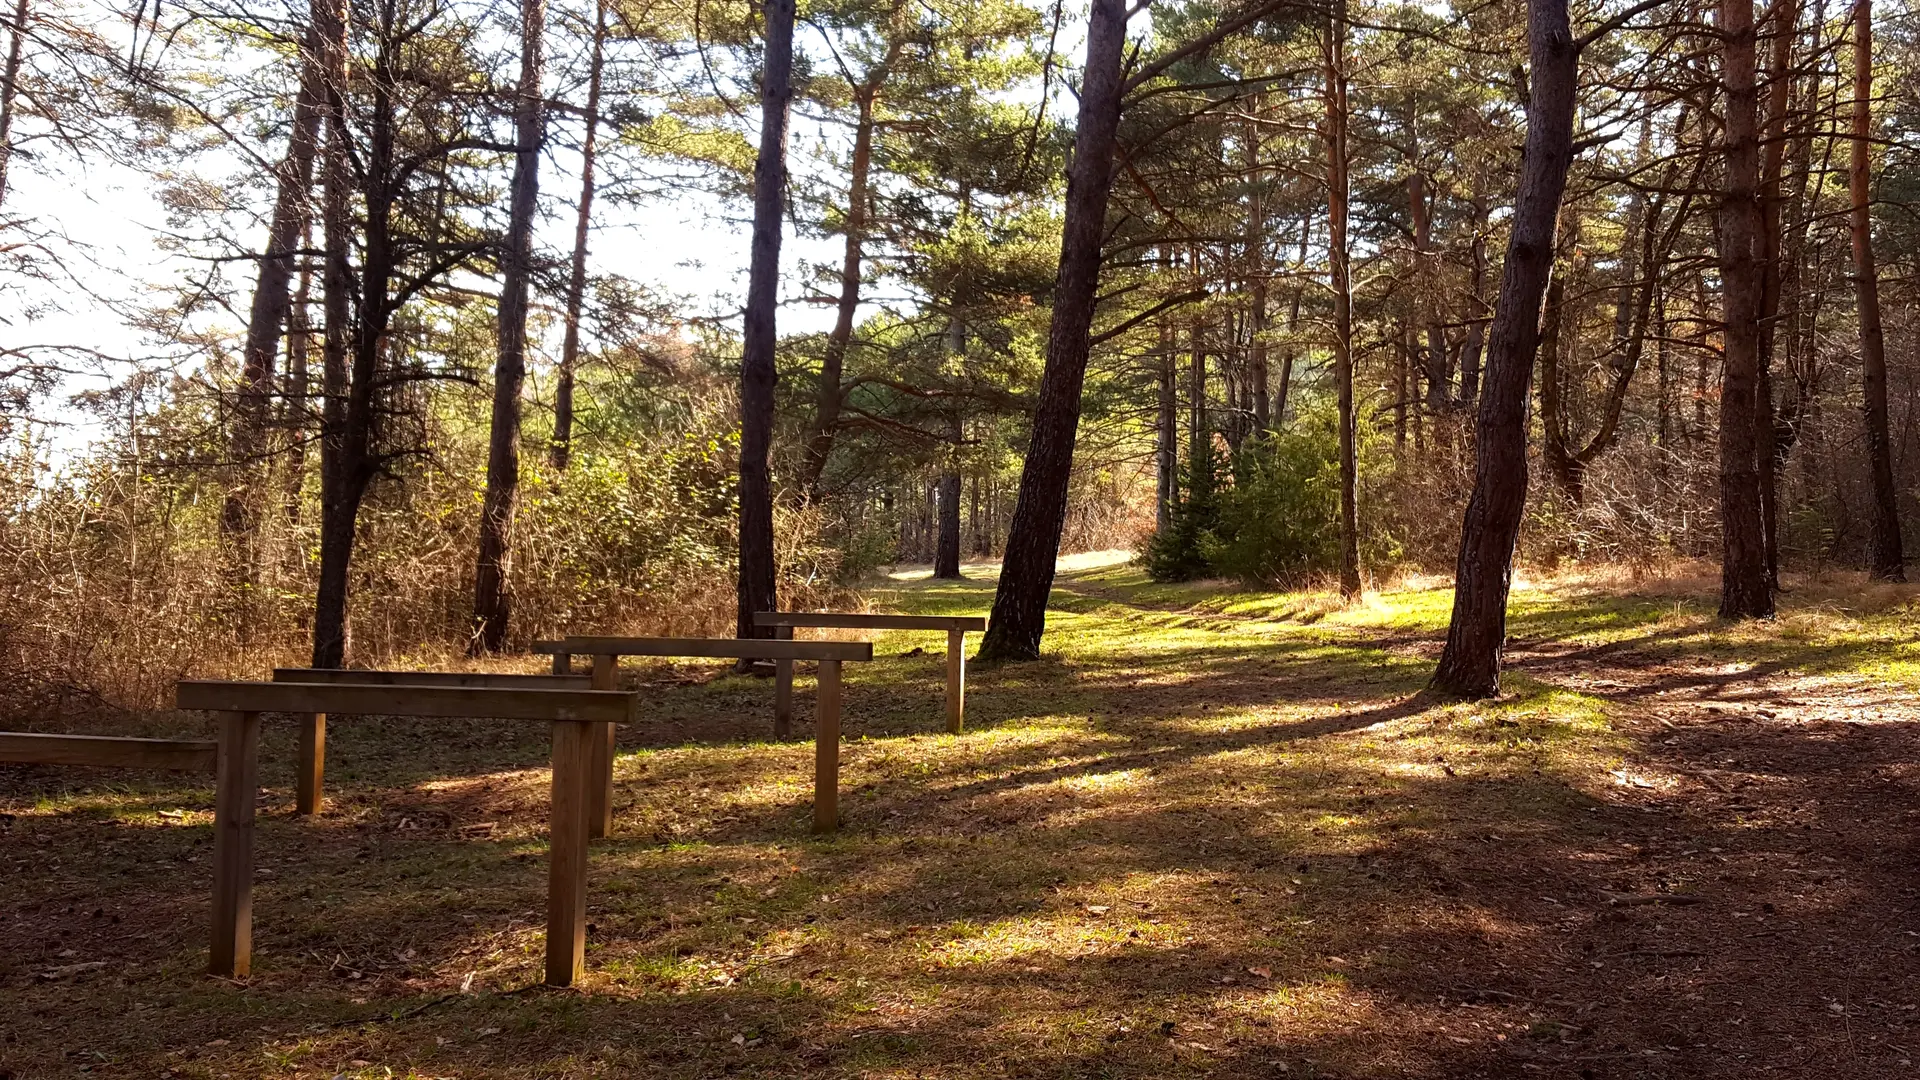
1216 834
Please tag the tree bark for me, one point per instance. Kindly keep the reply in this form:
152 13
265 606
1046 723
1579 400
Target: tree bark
10 89
828 392
1476 636
1026 577
1786 18
492 588
946 558
1166 452
344 471
267 317
1745 592
561 452
1476 326
1339 261
1888 561
757 375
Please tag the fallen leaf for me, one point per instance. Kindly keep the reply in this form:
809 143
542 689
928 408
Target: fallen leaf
1098 909
1263 972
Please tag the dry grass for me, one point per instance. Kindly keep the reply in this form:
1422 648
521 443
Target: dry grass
1216 834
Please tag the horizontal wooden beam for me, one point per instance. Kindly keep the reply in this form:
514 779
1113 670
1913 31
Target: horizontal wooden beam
108 751
850 621
549 647
460 702
349 676
735 648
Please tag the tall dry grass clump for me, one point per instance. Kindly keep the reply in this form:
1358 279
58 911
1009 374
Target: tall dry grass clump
117 580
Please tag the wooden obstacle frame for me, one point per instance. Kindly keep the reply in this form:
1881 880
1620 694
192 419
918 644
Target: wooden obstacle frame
310 775
606 653
956 627
576 716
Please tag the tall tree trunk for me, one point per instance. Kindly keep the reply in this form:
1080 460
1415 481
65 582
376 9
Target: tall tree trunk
342 459
1786 16
1476 635
1745 592
1339 261
492 590
828 391
267 317
562 449
1426 302
946 557
294 417
756 584
1166 449
1478 312
1026 577
1888 561
10 89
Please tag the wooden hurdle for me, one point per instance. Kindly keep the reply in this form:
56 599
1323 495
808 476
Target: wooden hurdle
231 760
607 651
956 627
310 775
576 717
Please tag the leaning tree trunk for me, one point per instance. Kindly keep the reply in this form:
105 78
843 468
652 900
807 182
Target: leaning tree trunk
1476 636
267 317
1745 591
341 463
561 452
10 90
756 582
492 597
1026 577
1339 260
1888 560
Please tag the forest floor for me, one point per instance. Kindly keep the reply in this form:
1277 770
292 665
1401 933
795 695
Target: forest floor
1217 833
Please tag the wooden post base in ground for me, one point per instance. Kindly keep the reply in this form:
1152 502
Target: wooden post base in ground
826 749
312 768
956 679
567 852
236 785
606 676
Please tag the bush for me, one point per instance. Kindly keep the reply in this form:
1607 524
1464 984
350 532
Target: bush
1279 521
1271 518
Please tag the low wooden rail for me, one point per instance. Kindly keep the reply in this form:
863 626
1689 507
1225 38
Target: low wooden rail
956 627
607 651
108 751
576 717
309 779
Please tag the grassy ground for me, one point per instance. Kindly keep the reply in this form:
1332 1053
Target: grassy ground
1216 833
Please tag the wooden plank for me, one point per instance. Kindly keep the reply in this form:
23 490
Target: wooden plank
562 663
107 751
310 773
826 749
956 679
235 790
606 676
548 646
567 855
488 679
440 701
783 689
851 621
734 648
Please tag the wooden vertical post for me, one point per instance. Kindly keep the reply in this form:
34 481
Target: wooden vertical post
562 663
313 764
783 689
826 749
567 853
956 679
606 676
236 783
